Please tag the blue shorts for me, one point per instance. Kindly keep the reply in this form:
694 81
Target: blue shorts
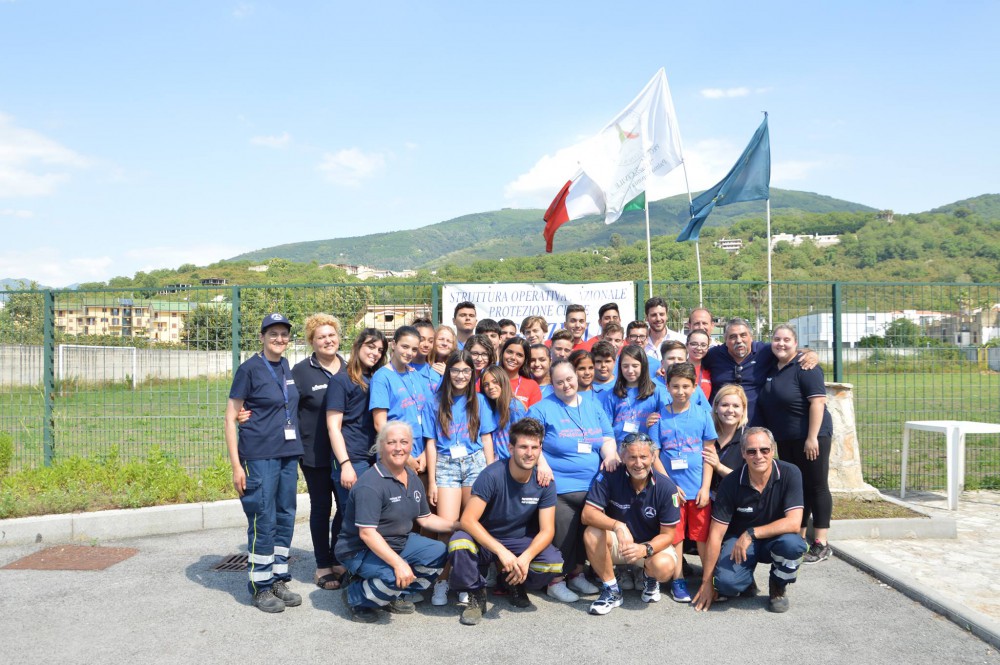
459 472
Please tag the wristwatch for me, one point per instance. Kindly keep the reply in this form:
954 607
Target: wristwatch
750 532
649 550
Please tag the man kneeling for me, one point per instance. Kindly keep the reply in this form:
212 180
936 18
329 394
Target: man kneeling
510 519
630 515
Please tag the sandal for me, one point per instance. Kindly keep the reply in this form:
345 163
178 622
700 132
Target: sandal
331 578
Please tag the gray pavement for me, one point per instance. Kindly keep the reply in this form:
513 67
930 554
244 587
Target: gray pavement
166 605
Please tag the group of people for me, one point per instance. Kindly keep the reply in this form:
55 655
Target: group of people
472 457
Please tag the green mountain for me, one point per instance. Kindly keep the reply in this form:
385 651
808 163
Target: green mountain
512 233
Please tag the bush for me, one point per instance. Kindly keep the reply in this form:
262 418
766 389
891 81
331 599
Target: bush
6 453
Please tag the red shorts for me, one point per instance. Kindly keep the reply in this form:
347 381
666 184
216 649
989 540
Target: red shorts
694 522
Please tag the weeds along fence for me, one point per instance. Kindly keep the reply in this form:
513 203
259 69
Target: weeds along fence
88 372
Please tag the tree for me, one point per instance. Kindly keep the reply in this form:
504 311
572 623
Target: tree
903 332
209 327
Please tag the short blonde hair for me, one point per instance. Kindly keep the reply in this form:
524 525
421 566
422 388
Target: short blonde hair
316 321
726 391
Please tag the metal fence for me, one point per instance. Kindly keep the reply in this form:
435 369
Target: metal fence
85 372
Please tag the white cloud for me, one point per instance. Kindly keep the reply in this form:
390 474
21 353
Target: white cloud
410 145
724 93
278 142
792 170
21 214
46 265
351 166
243 10
32 164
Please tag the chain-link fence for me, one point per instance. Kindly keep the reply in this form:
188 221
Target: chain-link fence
82 372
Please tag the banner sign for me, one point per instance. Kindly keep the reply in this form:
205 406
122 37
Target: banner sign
547 300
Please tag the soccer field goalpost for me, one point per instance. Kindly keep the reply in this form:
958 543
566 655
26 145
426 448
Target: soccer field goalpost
98 363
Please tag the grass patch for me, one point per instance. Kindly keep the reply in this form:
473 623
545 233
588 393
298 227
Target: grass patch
848 508
77 484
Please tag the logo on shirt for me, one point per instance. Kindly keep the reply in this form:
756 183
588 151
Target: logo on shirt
620 506
529 500
649 512
676 501
289 382
395 499
321 386
416 496
745 509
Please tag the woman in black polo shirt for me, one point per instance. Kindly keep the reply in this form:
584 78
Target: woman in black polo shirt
729 414
792 404
312 376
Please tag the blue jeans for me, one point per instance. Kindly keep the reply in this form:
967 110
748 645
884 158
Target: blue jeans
783 552
269 504
377 584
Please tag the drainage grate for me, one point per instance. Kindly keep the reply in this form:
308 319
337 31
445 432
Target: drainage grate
236 563
73 557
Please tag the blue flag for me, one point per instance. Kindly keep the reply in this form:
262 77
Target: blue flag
748 180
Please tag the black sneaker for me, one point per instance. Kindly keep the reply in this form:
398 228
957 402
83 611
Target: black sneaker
400 606
473 613
817 552
266 601
778 601
359 614
289 597
519 597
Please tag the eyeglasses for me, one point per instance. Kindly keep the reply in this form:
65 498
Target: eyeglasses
479 354
460 371
738 372
637 338
752 452
692 345
278 335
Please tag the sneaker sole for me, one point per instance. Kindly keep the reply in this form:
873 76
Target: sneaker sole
604 609
651 599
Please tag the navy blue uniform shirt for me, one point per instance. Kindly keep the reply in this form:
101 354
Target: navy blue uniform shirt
642 512
741 506
263 436
783 403
511 507
312 380
358 425
383 503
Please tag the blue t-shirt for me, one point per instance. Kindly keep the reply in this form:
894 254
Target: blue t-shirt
501 435
432 378
698 398
573 438
458 432
511 507
546 390
358 426
263 436
601 388
626 412
643 512
681 437
405 397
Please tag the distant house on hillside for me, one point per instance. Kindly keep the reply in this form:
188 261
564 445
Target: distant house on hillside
388 318
366 272
731 245
796 240
968 328
213 281
260 268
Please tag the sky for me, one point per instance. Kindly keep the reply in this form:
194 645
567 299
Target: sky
141 134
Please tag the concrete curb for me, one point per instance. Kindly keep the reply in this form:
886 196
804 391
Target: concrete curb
894 528
117 524
977 623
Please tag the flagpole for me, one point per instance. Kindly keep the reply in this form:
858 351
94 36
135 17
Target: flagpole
697 243
770 308
649 251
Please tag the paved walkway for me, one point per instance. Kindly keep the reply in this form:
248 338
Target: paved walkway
167 605
965 570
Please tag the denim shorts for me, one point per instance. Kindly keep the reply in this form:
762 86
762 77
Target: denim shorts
459 472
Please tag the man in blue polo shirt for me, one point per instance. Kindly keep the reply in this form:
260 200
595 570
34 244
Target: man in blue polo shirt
755 518
377 545
631 514
510 519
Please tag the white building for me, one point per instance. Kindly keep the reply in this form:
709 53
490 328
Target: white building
815 330
796 240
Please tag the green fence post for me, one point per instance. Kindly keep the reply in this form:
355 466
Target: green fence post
435 304
838 359
640 300
236 327
48 375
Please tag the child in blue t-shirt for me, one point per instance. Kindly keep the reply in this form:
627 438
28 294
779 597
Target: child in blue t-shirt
507 409
635 397
682 432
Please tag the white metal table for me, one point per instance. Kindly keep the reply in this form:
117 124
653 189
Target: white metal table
954 432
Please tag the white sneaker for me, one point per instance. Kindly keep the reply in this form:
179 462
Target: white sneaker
580 584
561 592
440 596
463 598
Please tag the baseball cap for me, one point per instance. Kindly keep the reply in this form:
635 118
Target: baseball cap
273 320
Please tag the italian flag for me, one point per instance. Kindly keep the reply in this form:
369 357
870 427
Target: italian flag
578 198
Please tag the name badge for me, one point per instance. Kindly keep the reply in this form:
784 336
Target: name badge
630 427
678 464
458 450
420 420
583 447
290 434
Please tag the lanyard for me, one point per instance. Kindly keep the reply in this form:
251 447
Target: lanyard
282 384
404 377
569 414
